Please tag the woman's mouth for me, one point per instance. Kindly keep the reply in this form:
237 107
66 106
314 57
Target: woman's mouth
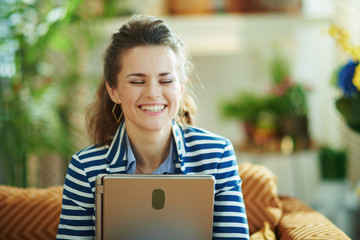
152 108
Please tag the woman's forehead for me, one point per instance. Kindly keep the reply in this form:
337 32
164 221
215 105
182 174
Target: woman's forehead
149 58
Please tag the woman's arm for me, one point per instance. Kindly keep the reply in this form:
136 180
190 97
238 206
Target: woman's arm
230 220
77 213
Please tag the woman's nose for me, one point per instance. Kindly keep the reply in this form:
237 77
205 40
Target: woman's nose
153 89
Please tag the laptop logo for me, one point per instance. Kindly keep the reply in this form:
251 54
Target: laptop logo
158 199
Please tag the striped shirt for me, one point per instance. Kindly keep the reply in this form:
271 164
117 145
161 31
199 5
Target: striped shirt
199 152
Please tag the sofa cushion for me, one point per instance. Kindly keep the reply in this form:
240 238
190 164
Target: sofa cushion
31 213
259 187
301 222
264 234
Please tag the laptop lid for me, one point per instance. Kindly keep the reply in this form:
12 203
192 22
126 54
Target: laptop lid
159 207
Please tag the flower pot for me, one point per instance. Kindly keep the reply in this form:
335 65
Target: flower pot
297 128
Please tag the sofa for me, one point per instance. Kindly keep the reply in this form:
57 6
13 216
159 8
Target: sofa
33 213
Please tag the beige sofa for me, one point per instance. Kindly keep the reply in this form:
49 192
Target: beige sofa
34 213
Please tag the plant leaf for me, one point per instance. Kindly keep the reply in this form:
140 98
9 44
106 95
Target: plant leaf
349 108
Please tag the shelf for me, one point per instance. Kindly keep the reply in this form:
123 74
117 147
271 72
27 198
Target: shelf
221 20
230 33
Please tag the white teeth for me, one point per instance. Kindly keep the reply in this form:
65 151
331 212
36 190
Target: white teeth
153 108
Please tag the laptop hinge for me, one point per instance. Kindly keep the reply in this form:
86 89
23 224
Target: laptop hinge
100 189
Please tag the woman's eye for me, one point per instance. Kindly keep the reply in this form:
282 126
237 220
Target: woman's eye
137 82
166 81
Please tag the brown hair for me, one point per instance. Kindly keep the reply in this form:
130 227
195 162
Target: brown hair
138 31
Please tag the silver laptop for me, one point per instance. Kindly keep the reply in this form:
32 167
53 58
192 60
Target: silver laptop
160 207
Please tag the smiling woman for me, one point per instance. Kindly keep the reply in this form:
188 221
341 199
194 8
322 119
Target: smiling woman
140 123
149 89
155 37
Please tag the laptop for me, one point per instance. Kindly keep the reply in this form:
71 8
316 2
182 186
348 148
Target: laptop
161 207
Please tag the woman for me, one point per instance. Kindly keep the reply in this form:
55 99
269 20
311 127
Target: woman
140 123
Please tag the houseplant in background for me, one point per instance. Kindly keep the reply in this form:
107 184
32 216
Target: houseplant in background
291 103
39 79
332 163
255 112
347 78
279 113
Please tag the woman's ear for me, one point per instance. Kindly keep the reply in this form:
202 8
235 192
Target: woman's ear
112 93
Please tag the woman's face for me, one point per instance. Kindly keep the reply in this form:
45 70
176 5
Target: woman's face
148 87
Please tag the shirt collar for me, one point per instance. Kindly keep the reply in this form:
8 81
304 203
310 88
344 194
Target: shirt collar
117 157
167 167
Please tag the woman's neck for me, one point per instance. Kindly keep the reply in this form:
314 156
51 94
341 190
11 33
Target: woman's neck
151 148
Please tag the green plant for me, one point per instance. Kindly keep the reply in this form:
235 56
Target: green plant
332 162
246 106
349 103
286 98
293 102
349 109
41 77
347 79
280 112
279 68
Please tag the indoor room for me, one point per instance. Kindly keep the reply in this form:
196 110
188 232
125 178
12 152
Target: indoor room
278 79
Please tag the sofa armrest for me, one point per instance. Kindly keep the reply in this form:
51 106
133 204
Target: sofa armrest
301 222
31 213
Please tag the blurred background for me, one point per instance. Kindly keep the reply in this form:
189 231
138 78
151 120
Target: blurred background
267 74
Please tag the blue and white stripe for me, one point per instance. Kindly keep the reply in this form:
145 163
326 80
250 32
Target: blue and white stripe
199 152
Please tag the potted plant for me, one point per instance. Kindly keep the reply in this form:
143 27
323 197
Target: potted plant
347 78
256 114
280 112
37 91
332 163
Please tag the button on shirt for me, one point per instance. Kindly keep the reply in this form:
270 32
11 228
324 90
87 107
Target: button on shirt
167 167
